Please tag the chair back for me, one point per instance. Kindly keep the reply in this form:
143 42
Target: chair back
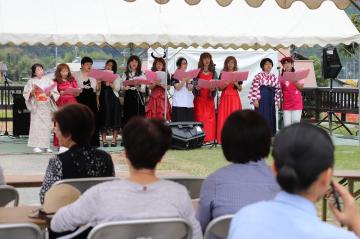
218 227
174 228
83 184
20 231
7 194
192 184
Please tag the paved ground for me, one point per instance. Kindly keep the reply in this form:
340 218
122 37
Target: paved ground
17 159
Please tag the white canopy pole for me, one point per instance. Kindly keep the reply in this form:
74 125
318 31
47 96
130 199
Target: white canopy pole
166 75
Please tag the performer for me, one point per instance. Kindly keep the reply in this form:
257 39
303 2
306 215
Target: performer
90 88
134 102
230 99
183 98
40 95
109 106
204 106
64 80
292 103
265 93
156 105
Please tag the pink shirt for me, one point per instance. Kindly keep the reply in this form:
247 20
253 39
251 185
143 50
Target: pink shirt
292 99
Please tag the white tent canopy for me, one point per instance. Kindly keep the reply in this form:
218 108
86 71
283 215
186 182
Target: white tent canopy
146 23
312 4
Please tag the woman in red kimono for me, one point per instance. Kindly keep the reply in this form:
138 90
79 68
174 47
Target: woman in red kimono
229 100
204 106
64 80
156 105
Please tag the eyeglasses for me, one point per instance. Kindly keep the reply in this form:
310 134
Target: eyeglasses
183 63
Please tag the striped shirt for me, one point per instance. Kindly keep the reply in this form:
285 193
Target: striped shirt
264 79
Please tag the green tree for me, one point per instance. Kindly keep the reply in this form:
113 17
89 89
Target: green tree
350 50
318 73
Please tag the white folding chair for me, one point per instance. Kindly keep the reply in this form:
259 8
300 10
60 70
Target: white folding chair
20 231
218 227
192 184
174 228
7 194
83 184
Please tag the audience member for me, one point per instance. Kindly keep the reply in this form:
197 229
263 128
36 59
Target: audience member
246 139
74 126
303 162
140 196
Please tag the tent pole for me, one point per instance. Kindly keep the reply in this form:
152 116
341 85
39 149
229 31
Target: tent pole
166 74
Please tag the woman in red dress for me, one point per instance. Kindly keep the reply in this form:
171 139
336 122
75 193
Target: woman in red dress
64 80
156 105
229 100
204 106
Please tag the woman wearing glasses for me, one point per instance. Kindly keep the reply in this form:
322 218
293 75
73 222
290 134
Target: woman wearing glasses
183 99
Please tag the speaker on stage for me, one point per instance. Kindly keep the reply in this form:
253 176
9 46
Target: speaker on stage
187 135
331 64
21 116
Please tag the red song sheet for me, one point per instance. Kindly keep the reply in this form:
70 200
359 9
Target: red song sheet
295 76
180 74
72 91
235 76
211 84
137 81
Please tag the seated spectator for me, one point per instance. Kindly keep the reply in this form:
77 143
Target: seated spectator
2 178
303 162
140 196
74 128
246 140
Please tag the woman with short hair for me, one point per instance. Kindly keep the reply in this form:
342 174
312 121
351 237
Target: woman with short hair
303 163
246 142
142 195
183 98
74 126
264 93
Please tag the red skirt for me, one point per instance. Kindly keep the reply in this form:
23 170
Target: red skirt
63 100
204 111
228 104
156 105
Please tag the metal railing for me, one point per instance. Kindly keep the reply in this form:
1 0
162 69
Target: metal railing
322 99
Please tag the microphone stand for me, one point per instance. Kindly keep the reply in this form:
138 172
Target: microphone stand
215 143
7 103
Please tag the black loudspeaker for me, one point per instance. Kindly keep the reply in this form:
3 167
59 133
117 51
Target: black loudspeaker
21 116
331 64
187 135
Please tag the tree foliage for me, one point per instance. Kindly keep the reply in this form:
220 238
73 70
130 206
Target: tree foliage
349 51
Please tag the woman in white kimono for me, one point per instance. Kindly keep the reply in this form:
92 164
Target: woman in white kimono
40 94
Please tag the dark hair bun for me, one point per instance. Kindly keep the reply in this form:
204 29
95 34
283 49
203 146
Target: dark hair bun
288 179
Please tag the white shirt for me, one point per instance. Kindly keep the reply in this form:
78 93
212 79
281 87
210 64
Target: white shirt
183 97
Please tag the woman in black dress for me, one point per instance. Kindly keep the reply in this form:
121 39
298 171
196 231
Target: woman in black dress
90 88
134 102
109 106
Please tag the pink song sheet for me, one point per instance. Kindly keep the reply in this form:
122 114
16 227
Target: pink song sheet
180 74
234 76
103 75
295 76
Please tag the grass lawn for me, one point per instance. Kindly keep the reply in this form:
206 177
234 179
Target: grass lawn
202 162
